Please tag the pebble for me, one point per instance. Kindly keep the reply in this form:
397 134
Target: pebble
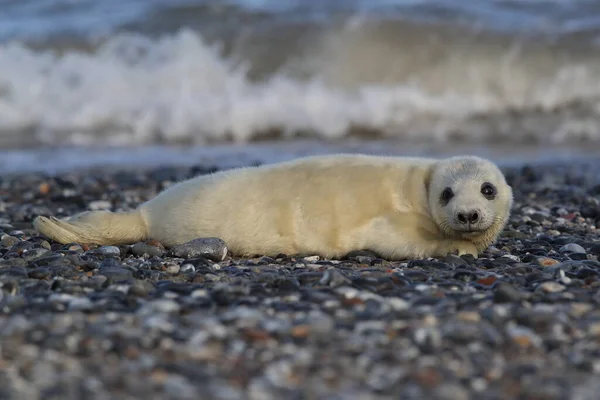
116 274
187 268
520 321
140 288
99 205
506 293
159 306
572 248
595 249
211 248
109 251
173 269
144 249
8 241
36 253
546 261
551 287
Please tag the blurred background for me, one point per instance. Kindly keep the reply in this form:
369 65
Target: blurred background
143 82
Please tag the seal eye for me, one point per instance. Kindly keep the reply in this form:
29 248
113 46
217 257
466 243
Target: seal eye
446 196
488 190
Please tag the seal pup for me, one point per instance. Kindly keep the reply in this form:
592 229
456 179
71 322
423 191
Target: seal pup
398 207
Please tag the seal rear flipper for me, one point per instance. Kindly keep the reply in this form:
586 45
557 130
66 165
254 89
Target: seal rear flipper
94 227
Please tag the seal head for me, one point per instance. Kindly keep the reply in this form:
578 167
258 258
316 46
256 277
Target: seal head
469 198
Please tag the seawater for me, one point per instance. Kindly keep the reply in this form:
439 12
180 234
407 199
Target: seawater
132 74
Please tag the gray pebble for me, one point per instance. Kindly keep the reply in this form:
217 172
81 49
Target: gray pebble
33 254
506 293
80 304
13 272
40 273
109 251
140 288
213 249
9 241
116 274
572 248
173 269
140 249
454 259
451 391
160 306
187 268
334 278
595 249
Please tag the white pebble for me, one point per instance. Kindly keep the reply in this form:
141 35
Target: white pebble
99 205
312 259
551 287
398 304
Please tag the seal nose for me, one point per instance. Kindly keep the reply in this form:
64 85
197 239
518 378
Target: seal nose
468 217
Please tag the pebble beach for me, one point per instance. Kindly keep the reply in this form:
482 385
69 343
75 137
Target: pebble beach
143 321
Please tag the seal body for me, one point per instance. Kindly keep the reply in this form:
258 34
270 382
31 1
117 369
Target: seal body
399 207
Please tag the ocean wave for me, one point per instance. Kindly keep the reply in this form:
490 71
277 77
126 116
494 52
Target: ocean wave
356 80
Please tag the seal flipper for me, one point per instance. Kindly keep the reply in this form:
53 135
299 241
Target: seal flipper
95 227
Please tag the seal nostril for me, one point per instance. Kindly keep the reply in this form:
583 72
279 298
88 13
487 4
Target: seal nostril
473 217
461 218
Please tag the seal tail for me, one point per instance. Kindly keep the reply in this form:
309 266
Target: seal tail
95 227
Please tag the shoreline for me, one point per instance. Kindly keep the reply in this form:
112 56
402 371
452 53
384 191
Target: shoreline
65 159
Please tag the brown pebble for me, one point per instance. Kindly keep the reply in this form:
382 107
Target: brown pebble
522 340
578 310
300 331
159 376
256 335
546 261
44 188
155 243
428 377
488 280
468 316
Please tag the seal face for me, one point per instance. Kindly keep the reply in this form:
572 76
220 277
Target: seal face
469 197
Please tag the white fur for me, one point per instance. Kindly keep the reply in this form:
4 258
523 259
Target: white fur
324 205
